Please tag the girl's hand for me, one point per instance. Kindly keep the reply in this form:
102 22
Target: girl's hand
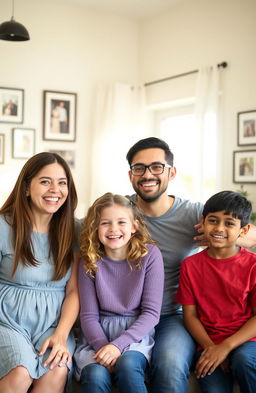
107 356
210 359
59 355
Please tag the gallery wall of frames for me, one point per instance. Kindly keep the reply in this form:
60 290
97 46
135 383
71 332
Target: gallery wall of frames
58 123
244 161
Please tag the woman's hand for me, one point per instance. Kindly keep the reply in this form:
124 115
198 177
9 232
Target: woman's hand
59 355
107 356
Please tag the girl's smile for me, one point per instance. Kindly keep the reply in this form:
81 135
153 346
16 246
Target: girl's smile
115 230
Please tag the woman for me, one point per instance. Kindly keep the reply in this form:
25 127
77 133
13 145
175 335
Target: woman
38 278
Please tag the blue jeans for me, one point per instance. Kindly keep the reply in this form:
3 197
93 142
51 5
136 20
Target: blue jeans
129 375
172 356
242 368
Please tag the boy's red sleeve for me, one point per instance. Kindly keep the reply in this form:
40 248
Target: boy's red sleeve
185 293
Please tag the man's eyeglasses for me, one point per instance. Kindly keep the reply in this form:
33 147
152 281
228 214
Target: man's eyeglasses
155 168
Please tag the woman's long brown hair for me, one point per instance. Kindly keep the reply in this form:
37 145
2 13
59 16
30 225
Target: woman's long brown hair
17 212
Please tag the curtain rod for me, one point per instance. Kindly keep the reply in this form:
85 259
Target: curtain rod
224 64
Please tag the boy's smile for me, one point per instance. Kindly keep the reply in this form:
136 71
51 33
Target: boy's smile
222 230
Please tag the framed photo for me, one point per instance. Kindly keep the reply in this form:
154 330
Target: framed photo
1 148
11 105
59 116
244 166
246 128
23 142
68 155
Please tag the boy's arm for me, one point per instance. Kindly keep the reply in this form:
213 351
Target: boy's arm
212 355
245 333
195 327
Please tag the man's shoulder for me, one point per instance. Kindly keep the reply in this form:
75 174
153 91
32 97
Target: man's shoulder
186 211
180 202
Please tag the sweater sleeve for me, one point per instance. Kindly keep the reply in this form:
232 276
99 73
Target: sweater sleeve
89 311
151 301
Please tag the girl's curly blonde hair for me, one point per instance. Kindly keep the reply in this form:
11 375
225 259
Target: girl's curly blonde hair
91 248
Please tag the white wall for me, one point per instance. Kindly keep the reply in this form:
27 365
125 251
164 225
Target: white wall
71 49
204 32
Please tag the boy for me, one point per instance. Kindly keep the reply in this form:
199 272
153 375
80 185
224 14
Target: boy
218 293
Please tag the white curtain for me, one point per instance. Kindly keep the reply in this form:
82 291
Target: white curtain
118 122
207 125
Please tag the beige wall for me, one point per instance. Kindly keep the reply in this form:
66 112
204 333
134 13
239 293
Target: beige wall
204 32
72 49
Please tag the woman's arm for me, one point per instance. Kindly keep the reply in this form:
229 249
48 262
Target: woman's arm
69 312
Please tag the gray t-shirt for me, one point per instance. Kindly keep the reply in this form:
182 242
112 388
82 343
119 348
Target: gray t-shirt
174 232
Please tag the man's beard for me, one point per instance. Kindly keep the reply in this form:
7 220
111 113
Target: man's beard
151 198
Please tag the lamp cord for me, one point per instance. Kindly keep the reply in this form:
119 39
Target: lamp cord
12 9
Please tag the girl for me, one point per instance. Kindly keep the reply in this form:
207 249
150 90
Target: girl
121 287
38 281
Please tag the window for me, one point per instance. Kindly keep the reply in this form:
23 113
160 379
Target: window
194 151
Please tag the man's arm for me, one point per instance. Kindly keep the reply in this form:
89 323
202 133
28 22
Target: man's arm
249 240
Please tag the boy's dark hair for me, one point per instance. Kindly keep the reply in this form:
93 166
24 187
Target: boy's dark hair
150 143
232 203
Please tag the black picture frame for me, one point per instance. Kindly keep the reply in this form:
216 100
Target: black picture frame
246 128
23 142
11 105
2 147
59 116
244 166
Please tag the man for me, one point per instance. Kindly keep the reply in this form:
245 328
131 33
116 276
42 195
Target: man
63 118
171 222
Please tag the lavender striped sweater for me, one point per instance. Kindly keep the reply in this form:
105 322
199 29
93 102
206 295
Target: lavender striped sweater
116 290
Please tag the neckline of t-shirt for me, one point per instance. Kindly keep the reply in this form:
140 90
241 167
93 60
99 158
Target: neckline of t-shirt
238 255
168 213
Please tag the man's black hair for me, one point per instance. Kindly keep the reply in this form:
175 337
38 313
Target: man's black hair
150 143
232 203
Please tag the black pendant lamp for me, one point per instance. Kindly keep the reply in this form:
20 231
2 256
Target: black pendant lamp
12 30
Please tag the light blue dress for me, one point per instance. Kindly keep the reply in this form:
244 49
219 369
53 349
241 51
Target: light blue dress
30 306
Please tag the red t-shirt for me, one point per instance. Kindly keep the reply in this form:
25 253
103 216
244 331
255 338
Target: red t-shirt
223 290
